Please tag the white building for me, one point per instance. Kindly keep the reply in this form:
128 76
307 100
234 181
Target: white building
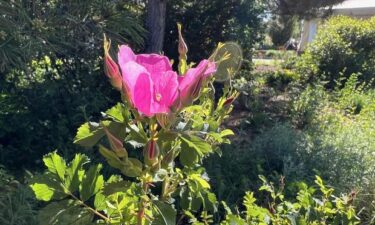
354 8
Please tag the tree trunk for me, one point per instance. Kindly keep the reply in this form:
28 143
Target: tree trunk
155 23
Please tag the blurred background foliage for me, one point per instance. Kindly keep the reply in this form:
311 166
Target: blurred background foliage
298 116
52 78
208 22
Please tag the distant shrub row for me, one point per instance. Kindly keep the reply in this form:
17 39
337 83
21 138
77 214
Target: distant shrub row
343 46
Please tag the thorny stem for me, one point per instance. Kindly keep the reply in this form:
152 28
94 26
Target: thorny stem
145 184
141 211
164 188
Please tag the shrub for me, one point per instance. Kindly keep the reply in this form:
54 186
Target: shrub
52 81
17 203
313 205
40 109
275 152
340 138
17 207
343 46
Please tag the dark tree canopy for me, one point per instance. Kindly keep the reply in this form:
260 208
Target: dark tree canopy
64 28
207 22
51 77
301 8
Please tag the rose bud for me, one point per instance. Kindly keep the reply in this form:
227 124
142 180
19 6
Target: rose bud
228 101
191 84
182 47
116 145
151 150
111 68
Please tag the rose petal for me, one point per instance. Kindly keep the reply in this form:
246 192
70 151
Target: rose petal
166 91
155 64
143 91
130 75
125 55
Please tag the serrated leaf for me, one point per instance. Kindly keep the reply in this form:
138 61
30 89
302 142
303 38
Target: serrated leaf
188 157
73 175
88 134
210 202
116 112
202 182
99 202
116 128
43 191
137 135
63 213
92 182
114 187
165 214
197 144
193 149
47 187
55 164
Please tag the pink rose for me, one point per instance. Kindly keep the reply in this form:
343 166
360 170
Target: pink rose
151 85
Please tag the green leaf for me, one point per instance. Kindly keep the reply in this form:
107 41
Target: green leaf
165 214
111 157
88 134
117 112
43 192
197 144
202 182
226 132
92 182
188 157
192 149
55 164
116 128
137 136
133 169
46 187
99 202
63 213
210 202
114 187
73 172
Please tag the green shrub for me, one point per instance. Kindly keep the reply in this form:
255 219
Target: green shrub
274 152
313 205
339 130
17 207
343 46
40 110
280 79
17 204
50 78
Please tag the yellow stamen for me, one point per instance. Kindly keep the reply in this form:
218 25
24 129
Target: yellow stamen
158 97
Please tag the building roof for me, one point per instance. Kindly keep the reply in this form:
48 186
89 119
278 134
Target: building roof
355 8
355 4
